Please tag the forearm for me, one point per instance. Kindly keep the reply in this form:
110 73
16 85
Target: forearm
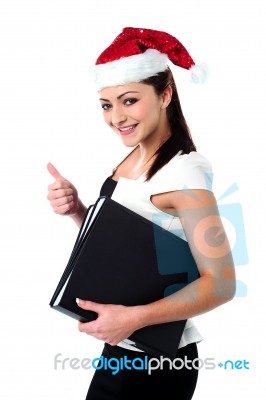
199 297
80 213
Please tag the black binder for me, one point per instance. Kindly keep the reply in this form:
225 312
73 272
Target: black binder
120 257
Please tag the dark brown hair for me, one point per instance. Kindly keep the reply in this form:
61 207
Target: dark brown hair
180 138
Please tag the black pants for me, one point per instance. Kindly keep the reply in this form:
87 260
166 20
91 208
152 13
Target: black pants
128 384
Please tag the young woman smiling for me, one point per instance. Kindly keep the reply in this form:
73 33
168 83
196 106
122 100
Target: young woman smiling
166 180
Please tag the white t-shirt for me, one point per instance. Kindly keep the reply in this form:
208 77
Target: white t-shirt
183 171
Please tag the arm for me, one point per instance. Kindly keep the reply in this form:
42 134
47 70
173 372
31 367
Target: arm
63 197
207 239
202 224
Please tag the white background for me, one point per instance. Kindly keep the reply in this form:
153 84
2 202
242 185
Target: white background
49 112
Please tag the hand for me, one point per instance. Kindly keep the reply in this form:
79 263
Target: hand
114 322
63 196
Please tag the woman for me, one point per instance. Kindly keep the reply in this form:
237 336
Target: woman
165 180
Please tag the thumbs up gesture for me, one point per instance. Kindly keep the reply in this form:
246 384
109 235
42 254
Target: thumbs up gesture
63 196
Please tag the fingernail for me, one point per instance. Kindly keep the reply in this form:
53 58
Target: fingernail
79 301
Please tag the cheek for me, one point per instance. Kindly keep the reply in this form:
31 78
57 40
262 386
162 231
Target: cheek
107 118
146 113
152 116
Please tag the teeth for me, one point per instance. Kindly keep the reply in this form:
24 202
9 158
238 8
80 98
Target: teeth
128 128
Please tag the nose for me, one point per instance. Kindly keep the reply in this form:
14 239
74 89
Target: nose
118 115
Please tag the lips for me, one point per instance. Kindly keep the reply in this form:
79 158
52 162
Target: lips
127 129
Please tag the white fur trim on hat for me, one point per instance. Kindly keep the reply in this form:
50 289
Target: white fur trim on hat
130 69
200 73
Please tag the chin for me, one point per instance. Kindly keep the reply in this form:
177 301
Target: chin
129 143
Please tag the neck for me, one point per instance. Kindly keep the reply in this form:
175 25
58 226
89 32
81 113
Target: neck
149 147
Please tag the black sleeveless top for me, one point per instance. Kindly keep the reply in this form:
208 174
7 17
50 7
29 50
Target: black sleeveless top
108 187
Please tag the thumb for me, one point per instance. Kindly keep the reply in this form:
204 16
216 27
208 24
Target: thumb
53 171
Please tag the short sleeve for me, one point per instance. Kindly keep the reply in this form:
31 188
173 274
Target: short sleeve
187 171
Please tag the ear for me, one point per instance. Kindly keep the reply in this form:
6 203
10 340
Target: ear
166 97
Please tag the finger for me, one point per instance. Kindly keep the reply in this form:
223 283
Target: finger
59 193
87 327
62 201
54 172
89 305
59 185
64 209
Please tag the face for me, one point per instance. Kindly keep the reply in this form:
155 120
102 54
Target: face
135 112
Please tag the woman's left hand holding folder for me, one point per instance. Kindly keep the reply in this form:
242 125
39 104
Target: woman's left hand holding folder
114 322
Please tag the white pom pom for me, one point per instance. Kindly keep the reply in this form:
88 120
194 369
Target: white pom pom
200 73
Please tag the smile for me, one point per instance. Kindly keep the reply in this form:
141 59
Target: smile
128 129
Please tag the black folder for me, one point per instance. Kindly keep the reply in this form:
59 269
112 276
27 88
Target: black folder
120 257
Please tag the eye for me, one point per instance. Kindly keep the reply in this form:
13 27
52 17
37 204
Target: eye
130 101
106 106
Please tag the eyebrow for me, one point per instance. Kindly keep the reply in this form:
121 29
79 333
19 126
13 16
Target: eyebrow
119 97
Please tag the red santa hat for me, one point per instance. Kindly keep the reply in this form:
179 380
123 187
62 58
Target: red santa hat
137 54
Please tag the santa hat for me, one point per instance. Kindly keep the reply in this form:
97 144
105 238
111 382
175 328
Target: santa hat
137 54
